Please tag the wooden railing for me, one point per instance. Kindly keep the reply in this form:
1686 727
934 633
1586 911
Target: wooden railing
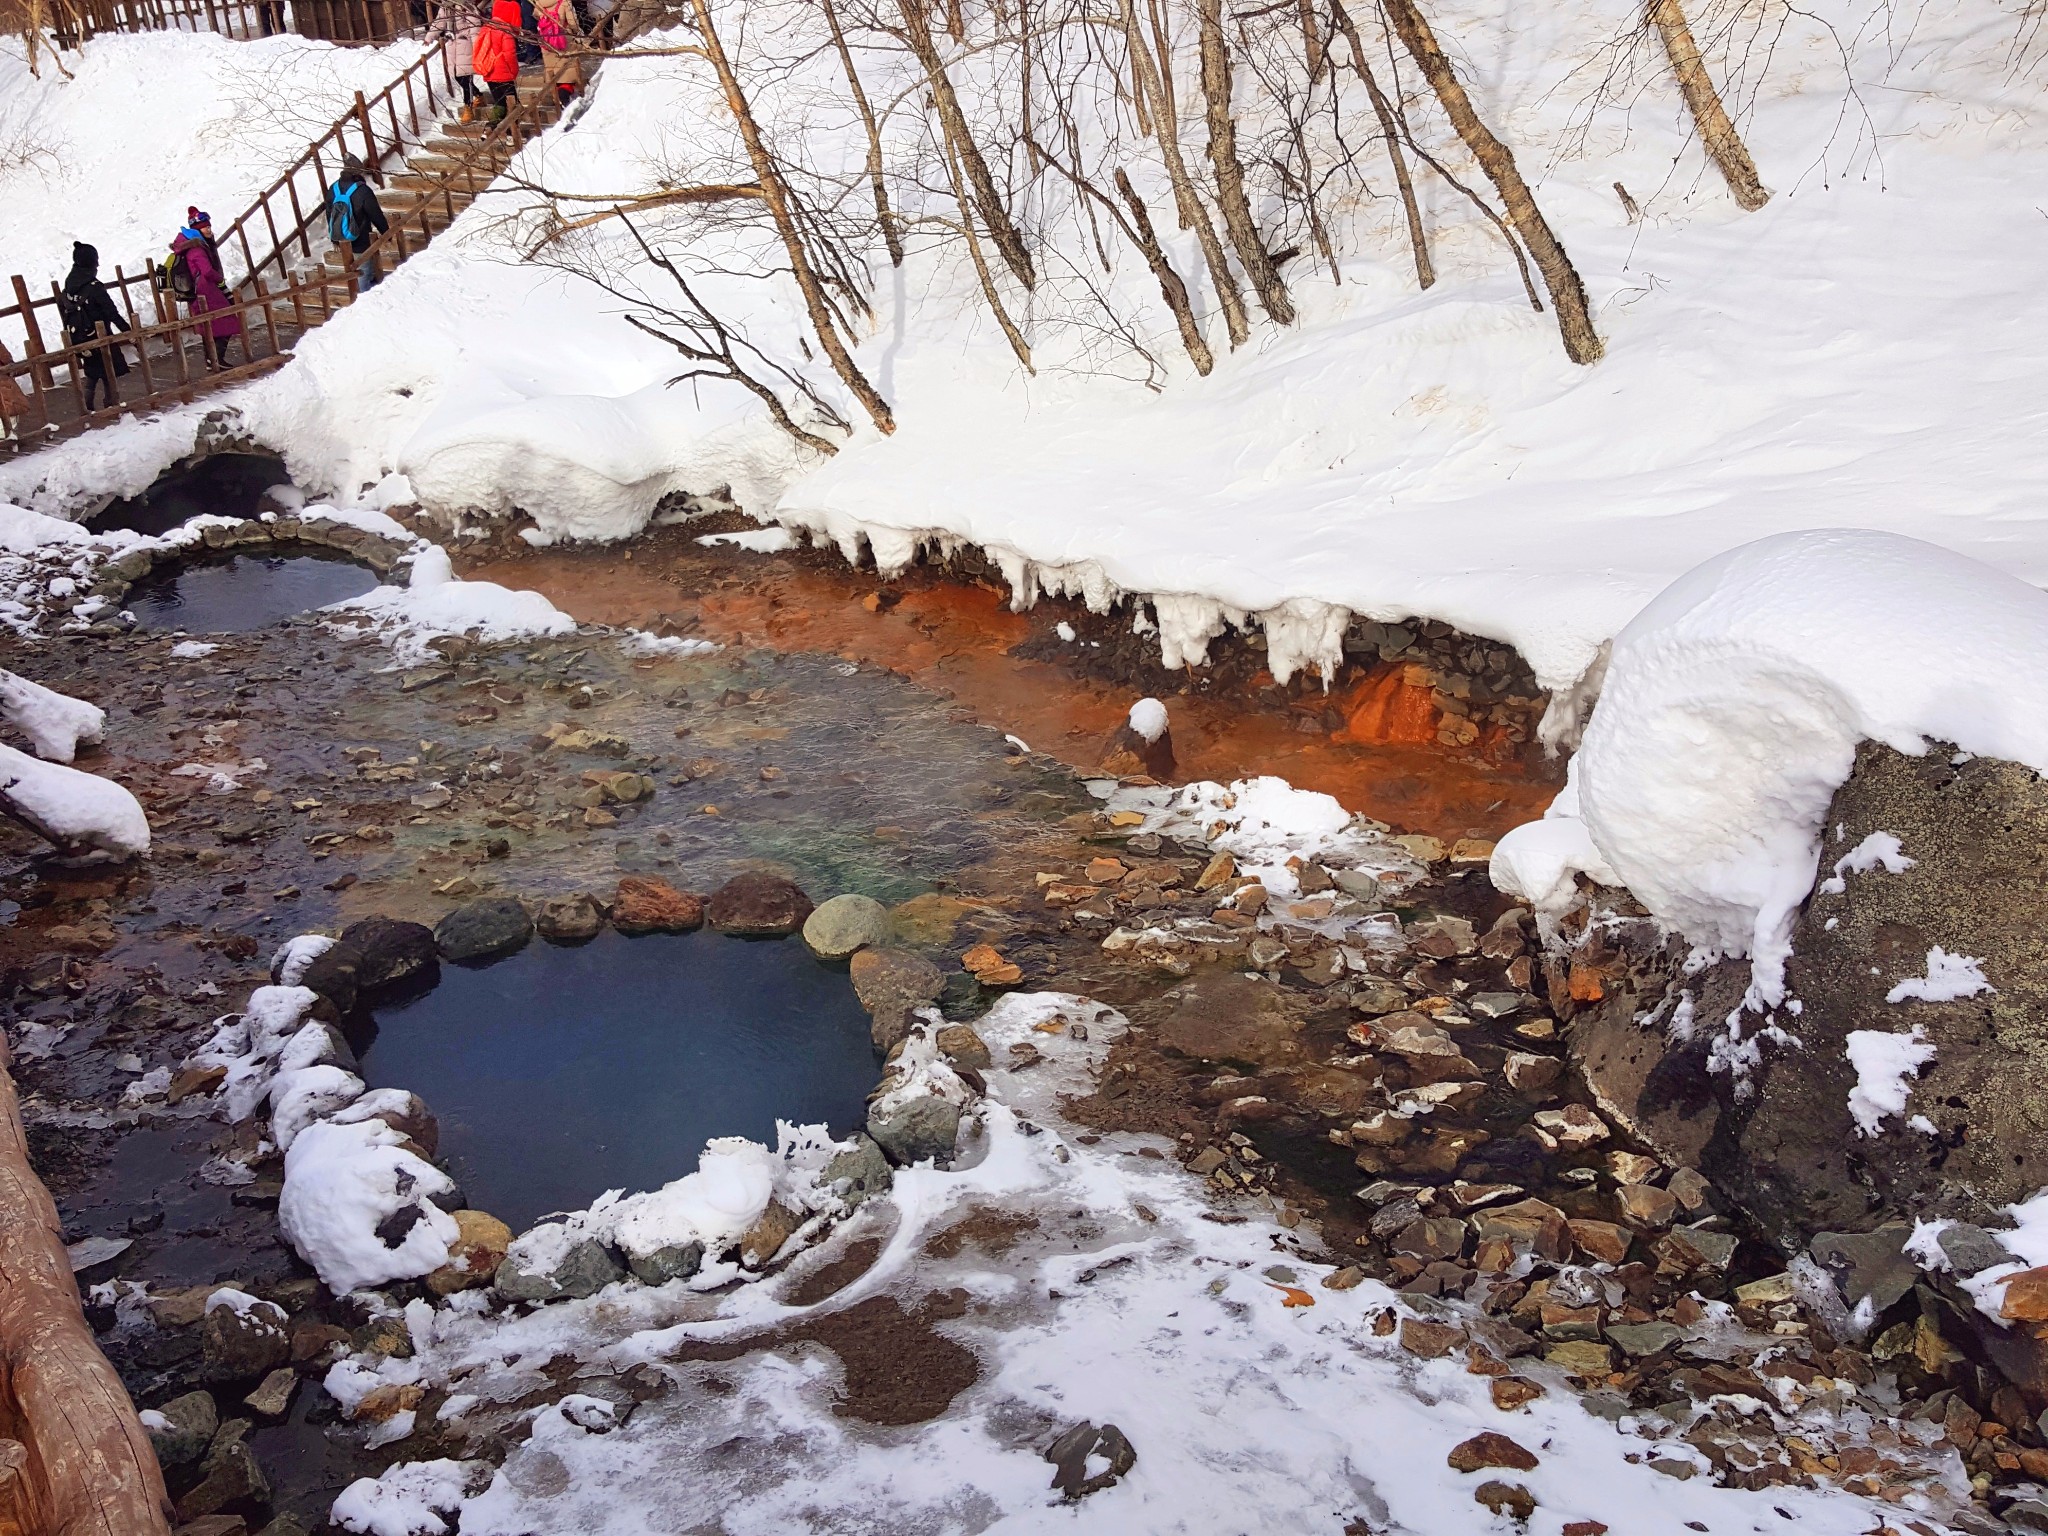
285 227
161 357
73 22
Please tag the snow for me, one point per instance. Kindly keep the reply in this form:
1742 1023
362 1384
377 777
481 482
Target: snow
1127 1306
24 532
1883 1062
55 723
1949 978
224 117
1880 850
1732 707
289 964
434 603
1540 861
1265 822
193 650
407 1500
340 1183
1148 719
81 808
734 1181
761 541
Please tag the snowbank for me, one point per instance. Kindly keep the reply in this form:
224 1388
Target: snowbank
434 603
74 807
55 723
1731 712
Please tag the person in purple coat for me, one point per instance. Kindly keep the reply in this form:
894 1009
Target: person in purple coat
209 287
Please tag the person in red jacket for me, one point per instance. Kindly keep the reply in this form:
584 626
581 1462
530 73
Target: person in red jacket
495 55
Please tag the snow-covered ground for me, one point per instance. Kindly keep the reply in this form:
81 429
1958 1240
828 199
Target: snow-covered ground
1861 352
112 147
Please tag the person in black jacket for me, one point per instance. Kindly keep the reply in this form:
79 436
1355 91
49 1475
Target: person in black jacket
364 218
84 305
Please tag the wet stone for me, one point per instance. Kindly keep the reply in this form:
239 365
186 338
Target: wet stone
677 1261
960 1045
859 1173
1376 995
922 1128
336 974
845 924
584 1270
188 1427
273 1398
1639 1339
757 905
646 904
890 983
1871 1265
486 929
568 919
392 951
243 1343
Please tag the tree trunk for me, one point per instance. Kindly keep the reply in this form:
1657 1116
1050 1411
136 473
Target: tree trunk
1186 200
1418 239
1230 197
1171 288
891 236
1582 343
1716 131
89 1469
776 195
995 218
988 284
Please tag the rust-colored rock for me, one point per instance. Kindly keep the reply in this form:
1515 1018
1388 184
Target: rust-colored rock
1432 1341
1491 1449
757 905
2026 1296
1511 1392
1601 1240
647 904
766 1237
473 1258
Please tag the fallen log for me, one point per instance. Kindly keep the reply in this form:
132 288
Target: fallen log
84 1465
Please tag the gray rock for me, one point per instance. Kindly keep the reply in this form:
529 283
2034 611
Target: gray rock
922 1128
336 974
393 952
1443 937
1972 1248
568 919
1868 1264
1376 995
845 924
243 1345
273 1399
678 1261
860 1173
485 929
1071 1452
94 1253
586 1269
233 1481
1637 1339
1497 1005
190 1424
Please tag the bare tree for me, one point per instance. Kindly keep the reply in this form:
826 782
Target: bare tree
1717 132
775 193
1418 239
987 280
892 237
1582 343
1229 171
1188 202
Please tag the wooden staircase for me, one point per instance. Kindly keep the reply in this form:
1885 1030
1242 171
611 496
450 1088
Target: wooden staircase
450 171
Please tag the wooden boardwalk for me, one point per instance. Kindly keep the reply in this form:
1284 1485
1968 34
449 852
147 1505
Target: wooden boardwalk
428 167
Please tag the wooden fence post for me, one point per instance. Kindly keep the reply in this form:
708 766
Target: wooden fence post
35 333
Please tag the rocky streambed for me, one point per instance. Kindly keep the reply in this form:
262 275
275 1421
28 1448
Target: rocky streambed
1350 1035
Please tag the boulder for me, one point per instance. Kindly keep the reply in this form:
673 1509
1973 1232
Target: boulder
488 928
764 1239
481 1241
336 974
233 1482
392 952
1790 1151
647 904
921 1128
1223 1017
757 905
677 1261
243 1341
859 1173
568 919
584 1268
186 1429
844 924
891 984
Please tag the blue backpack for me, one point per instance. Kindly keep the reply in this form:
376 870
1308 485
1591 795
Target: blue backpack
341 214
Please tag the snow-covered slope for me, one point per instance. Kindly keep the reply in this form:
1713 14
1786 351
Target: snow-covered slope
1864 351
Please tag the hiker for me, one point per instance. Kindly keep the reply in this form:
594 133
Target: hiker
561 41
355 218
84 305
495 55
195 248
455 27
529 36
